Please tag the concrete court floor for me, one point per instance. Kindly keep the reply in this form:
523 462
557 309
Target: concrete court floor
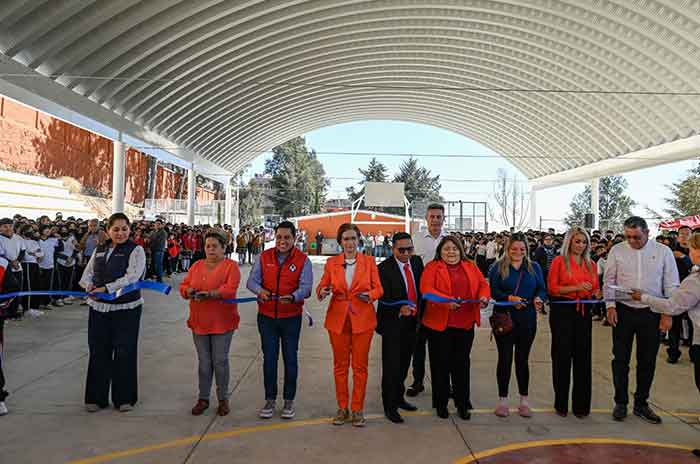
46 359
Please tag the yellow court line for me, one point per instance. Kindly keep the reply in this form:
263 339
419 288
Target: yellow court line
565 441
284 426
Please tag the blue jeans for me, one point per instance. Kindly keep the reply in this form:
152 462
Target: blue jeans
157 257
272 331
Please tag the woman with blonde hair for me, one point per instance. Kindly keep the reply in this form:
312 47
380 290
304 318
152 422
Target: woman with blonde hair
517 280
572 276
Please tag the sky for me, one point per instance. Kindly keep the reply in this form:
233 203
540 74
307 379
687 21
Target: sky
462 178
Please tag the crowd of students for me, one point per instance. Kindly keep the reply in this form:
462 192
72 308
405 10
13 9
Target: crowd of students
430 291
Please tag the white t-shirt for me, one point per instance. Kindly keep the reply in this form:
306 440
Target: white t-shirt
69 246
11 247
48 246
491 250
33 251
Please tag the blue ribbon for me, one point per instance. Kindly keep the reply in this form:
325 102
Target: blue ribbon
441 299
140 285
250 299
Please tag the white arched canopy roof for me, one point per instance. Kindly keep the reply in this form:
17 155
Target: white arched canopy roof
554 86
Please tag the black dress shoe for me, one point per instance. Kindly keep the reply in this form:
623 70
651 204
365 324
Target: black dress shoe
443 413
414 390
645 413
619 412
464 413
394 416
406 406
696 452
672 360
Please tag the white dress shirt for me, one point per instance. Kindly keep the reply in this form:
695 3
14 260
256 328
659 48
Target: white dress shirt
425 245
652 270
403 274
134 273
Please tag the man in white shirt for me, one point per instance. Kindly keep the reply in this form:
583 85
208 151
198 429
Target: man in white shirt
425 244
643 264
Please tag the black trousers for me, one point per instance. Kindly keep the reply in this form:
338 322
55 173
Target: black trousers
675 335
450 361
694 354
113 342
419 356
631 323
48 280
12 282
518 342
3 393
571 346
398 342
30 282
66 276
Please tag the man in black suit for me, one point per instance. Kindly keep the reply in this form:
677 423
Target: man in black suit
400 277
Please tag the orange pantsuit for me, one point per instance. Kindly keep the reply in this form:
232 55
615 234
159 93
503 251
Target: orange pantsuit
350 323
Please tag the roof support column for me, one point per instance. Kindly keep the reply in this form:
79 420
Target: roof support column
228 204
118 176
533 209
595 202
191 192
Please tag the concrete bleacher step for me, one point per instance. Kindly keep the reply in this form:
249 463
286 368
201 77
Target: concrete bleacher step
34 196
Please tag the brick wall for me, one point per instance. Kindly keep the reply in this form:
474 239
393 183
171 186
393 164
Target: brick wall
32 142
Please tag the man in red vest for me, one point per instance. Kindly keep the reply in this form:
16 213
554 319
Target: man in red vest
282 278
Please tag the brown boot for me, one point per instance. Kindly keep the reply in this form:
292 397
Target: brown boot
200 407
223 409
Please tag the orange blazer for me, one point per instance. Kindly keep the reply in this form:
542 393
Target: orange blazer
344 301
558 277
436 280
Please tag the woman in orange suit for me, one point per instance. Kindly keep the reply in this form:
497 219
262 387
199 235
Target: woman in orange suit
353 281
450 326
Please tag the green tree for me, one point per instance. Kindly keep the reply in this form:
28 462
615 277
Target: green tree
419 183
614 204
298 179
250 202
685 199
375 172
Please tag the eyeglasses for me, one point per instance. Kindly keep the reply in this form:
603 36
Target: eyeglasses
634 237
403 250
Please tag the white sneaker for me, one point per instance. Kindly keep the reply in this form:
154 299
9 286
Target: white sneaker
35 313
3 409
268 410
58 303
288 411
68 301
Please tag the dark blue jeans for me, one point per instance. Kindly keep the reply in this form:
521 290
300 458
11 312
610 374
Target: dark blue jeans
272 332
157 259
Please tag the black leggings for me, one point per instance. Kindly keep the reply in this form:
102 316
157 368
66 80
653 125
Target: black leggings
695 358
519 340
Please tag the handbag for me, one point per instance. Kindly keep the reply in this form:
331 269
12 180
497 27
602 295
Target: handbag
501 322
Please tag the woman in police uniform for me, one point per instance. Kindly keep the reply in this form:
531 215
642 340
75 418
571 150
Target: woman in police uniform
113 326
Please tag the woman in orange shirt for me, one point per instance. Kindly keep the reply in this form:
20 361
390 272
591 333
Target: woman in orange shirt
572 276
208 282
450 326
353 280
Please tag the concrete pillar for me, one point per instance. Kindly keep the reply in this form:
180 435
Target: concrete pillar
533 209
237 209
118 177
595 202
228 204
191 192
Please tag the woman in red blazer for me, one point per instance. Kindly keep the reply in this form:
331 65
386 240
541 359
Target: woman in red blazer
450 326
353 280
